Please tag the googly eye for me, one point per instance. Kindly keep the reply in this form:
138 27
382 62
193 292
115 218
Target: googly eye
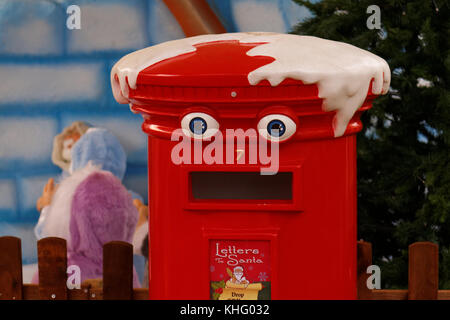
199 125
276 127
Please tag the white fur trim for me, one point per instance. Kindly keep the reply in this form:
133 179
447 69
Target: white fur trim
92 129
58 216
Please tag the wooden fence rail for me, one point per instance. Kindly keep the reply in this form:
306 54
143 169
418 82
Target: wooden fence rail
52 265
423 275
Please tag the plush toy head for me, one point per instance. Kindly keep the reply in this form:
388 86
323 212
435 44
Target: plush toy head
63 142
68 143
101 148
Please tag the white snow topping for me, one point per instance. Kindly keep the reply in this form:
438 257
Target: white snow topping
341 71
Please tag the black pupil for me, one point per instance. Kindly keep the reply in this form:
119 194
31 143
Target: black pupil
276 128
198 125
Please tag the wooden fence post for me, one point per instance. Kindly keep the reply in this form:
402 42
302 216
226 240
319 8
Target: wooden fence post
10 268
364 260
117 271
423 275
52 263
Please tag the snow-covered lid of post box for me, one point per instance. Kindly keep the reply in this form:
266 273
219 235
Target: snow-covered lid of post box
342 72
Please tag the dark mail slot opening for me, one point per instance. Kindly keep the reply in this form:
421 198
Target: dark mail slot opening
241 185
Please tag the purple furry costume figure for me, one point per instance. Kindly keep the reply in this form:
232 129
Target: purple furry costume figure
91 206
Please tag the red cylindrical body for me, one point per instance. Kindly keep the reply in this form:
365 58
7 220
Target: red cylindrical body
293 235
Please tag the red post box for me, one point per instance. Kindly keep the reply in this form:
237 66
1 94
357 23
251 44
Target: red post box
227 220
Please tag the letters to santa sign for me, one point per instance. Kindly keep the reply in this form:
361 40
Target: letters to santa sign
240 269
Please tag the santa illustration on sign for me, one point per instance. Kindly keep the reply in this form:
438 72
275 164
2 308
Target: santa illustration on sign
236 266
237 277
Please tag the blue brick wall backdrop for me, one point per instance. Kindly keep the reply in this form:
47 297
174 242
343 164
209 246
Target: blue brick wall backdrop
51 76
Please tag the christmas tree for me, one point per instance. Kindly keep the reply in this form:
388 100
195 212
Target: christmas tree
403 152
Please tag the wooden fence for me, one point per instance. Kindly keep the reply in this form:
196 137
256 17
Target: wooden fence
423 274
52 265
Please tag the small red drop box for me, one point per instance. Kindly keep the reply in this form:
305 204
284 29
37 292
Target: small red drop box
223 230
